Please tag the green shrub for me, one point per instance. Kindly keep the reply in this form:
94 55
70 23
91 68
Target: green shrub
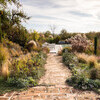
31 81
19 83
69 59
67 49
84 83
93 73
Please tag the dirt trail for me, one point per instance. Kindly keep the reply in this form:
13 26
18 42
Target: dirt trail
52 85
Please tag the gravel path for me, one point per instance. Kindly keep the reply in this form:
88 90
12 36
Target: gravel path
56 72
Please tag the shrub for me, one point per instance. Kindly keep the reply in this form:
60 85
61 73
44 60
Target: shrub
18 83
67 49
79 43
18 35
69 59
31 81
93 73
28 66
84 83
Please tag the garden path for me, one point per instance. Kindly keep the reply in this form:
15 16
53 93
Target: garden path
52 85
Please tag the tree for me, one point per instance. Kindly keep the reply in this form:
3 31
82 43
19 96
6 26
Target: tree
53 28
11 21
64 35
47 33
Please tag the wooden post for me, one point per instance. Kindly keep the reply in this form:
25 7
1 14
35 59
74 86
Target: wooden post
95 45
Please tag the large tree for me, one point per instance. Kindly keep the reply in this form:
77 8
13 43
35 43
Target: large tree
11 20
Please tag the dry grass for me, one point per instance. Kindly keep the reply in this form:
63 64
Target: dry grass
91 60
82 57
4 56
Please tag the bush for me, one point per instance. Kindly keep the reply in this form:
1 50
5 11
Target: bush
25 67
79 43
69 59
85 71
18 35
67 49
19 83
93 73
84 83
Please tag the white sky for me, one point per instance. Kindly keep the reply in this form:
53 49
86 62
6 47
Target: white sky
72 15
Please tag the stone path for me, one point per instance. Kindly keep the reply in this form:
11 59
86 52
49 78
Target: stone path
52 86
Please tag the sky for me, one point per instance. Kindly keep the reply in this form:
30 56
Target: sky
72 15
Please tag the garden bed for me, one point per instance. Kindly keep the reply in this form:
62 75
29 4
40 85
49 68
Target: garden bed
85 71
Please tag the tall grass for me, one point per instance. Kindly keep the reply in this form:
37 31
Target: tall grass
4 56
90 60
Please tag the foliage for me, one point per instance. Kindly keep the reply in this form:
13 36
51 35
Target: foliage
67 49
47 34
84 83
19 83
64 34
85 71
23 68
11 22
35 35
69 59
19 36
79 43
